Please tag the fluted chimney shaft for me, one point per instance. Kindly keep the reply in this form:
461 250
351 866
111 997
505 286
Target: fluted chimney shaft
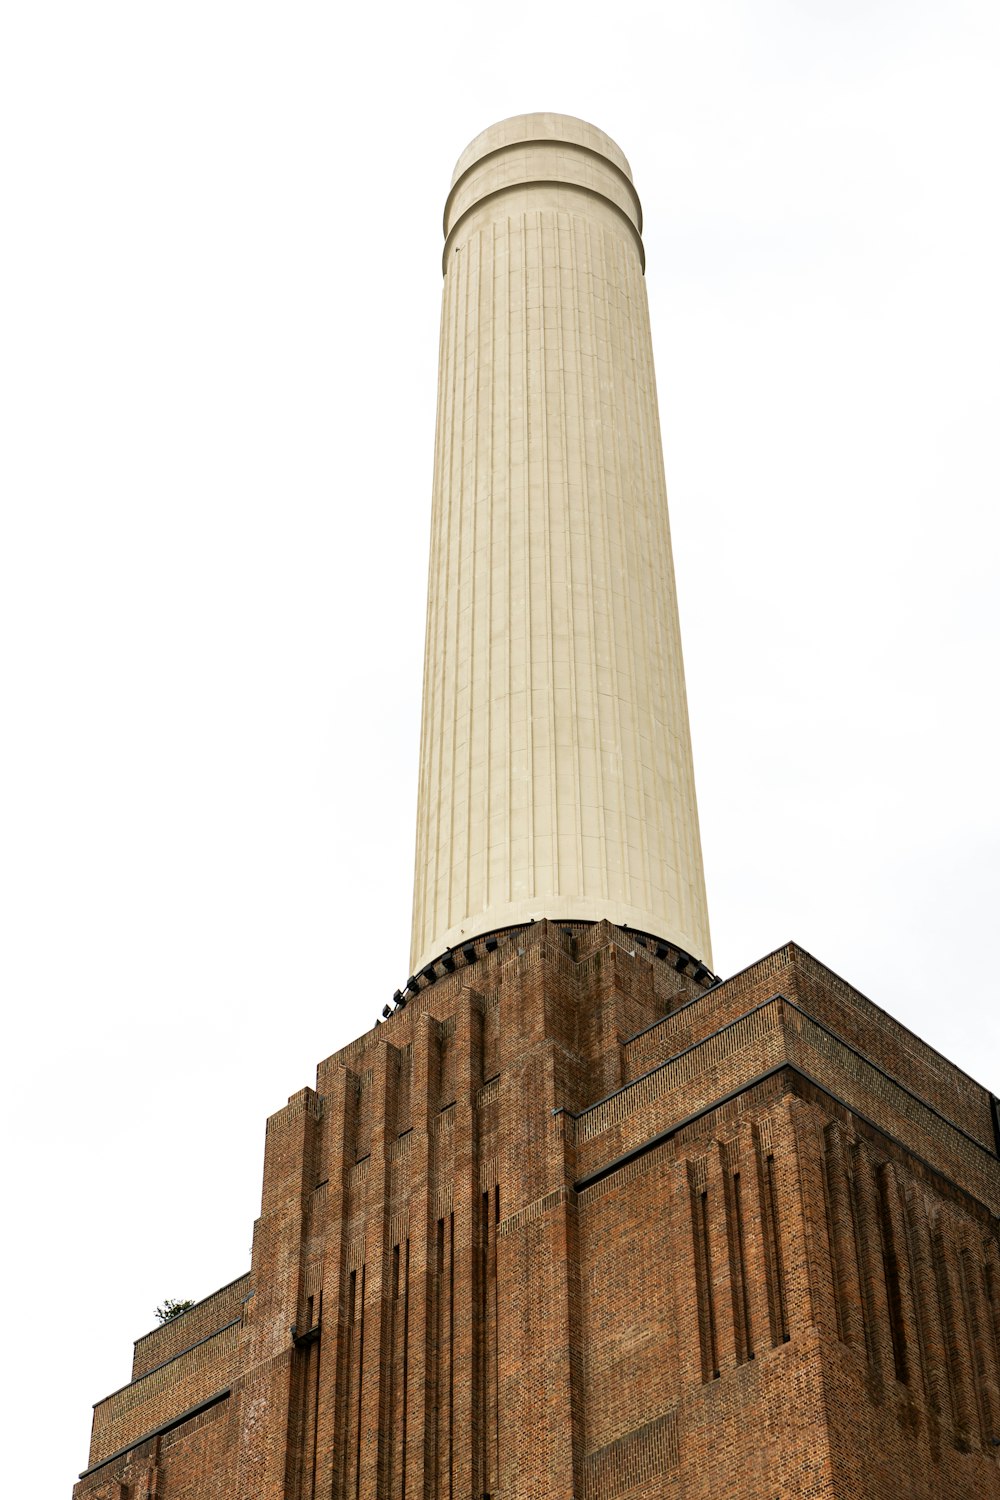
556 777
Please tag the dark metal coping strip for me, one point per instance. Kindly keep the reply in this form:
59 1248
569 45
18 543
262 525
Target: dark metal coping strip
544 140
784 1067
163 1363
693 1047
533 182
185 1416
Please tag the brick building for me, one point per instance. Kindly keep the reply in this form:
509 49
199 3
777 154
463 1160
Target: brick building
581 1219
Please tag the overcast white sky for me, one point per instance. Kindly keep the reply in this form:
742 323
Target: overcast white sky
219 300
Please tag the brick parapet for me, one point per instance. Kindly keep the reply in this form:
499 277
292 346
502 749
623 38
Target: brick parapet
793 972
145 1403
751 1044
188 1328
196 1444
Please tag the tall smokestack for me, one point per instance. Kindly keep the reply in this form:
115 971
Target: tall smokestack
556 777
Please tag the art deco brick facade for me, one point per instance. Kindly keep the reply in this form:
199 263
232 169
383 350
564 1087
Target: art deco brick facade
581 1220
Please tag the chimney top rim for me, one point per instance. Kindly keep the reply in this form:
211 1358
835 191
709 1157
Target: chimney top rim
518 129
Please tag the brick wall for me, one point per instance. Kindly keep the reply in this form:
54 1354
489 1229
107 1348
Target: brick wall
188 1328
575 1223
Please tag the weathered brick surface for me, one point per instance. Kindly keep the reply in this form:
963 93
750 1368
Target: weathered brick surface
574 1223
153 1399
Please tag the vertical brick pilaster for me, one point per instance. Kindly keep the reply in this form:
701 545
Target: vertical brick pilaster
991 1294
732 1152
959 1350
808 1143
467 1270
686 1241
539 1420
337 1102
777 1234
984 1348
899 1278
719 1265
754 1246
423 1086
933 1342
872 1264
263 1396
792 1225
374 1426
536 1272
849 1300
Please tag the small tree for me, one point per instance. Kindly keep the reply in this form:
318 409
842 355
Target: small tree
172 1308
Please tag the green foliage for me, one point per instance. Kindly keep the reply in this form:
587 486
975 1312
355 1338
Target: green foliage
172 1308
